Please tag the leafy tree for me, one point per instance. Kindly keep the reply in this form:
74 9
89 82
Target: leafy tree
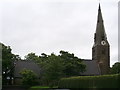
73 65
64 65
115 68
7 63
16 57
28 77
43 58
8 59
31 56
53 69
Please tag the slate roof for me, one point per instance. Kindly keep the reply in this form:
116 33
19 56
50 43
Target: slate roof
23 64
92 67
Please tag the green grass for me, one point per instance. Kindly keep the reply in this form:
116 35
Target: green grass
41 87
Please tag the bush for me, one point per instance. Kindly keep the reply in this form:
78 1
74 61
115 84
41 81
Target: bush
103 81
29 77
107 81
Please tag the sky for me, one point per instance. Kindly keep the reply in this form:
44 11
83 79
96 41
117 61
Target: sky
48 26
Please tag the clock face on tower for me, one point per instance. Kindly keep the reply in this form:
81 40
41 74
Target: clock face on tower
103 42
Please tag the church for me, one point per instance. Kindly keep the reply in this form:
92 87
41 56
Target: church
100 63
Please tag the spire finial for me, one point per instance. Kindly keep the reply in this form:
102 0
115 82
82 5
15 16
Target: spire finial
99 7
99 14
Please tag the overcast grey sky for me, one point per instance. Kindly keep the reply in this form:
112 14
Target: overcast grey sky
50 26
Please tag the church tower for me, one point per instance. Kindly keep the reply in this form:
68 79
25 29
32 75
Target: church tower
101 47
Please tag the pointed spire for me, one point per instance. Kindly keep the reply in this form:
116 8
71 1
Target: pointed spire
100 31
99 7
100 19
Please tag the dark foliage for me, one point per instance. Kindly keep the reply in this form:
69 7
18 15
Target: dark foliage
105 81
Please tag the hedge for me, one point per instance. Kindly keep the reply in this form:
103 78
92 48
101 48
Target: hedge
102 81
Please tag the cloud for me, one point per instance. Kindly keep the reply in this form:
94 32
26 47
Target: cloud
53 26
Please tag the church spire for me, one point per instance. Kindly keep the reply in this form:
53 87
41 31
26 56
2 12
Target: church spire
100 34
100 19
101 47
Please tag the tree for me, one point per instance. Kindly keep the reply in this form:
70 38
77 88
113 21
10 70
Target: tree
7 63
53 69
7 57
28 77
31 56
43 58
64 65
73 65
115 68
16 57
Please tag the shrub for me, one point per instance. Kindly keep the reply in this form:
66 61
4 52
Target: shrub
107 81
28 77
103 81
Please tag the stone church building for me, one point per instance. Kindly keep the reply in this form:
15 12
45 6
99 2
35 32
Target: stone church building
100 63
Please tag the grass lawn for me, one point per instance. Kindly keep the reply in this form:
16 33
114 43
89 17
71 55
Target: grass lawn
41 87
